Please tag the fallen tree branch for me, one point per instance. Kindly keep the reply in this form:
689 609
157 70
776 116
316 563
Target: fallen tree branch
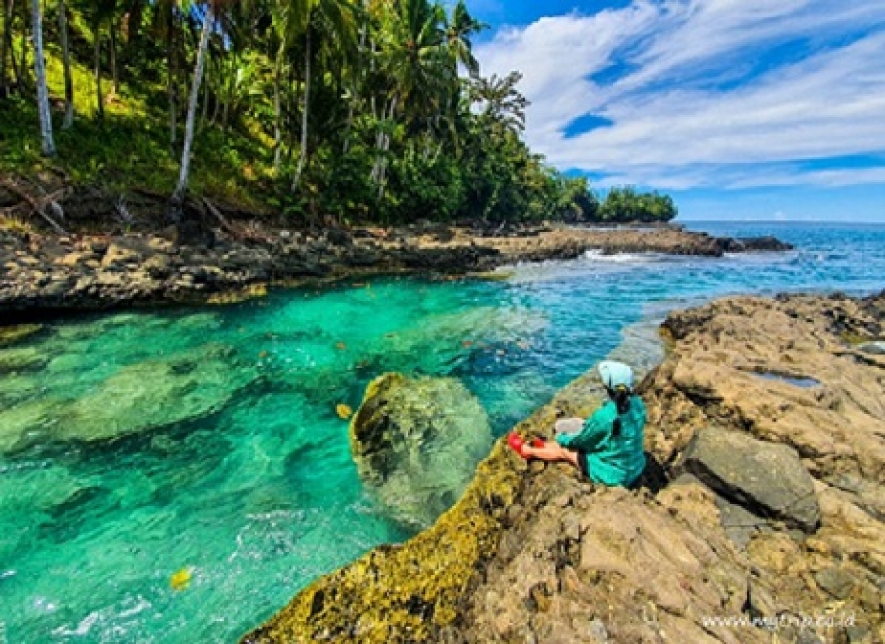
39 205
215 212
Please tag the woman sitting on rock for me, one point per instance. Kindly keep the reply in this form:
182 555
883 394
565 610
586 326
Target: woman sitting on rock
607 447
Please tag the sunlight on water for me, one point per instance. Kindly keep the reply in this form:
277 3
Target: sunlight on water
176 476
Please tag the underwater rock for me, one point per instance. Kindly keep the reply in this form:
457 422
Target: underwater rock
416 444
137 398
22 359
12 334
157 392
480 328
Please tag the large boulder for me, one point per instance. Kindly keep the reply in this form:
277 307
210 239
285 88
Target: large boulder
416 443
766 478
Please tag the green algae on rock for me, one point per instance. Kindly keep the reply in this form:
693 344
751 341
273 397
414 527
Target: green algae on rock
136 398
158 392
18 359
12 334
416 442
405 593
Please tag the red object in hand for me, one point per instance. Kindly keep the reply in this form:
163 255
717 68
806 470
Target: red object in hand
516 443
537 442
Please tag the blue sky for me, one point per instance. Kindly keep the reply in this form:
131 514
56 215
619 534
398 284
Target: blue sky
741 109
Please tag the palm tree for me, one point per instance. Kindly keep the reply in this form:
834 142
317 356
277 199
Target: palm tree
501 102
326 20
414 57
42 90
458 30
181 188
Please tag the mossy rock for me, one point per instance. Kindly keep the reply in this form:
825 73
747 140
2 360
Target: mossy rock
405 593
19 359
416 443
12 334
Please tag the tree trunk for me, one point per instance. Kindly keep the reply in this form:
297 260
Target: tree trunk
384 149
24 80
216 108
296 98
181 188
42 90
277 113
115 77
66 60
205 108
97 55
296 181
7 39
355 86
172 68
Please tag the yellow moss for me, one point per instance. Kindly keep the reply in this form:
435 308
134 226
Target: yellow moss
235 297
493 276
854 338
403 593
406 593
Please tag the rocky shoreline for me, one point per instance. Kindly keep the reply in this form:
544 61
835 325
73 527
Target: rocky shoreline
764 522
49 274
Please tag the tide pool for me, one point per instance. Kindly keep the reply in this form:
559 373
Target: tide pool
136 446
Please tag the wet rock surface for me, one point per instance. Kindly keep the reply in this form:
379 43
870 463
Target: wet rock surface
532 553
43 273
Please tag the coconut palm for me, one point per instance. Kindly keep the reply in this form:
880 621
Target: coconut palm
181 188
327 21
413 55
459 28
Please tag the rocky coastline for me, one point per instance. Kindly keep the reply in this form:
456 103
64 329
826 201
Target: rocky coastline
763 518
46 274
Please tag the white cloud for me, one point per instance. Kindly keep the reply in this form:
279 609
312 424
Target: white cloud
691 111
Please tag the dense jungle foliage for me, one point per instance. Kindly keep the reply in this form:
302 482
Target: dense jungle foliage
356 111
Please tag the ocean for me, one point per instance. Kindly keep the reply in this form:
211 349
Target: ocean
176 476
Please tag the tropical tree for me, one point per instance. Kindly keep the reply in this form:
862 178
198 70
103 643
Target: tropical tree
327 21
414 58
6 44
500 101
48 144
181 188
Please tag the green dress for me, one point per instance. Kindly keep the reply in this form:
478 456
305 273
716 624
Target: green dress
611 460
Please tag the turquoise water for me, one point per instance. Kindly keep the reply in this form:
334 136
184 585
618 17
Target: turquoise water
135 446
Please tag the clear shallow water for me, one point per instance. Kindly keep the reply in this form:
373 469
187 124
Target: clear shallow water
246 481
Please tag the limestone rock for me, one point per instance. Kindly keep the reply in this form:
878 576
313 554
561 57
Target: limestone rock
766 478
417 442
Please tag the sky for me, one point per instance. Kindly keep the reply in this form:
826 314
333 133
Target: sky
740 109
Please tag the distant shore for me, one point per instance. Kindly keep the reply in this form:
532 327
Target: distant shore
51 274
